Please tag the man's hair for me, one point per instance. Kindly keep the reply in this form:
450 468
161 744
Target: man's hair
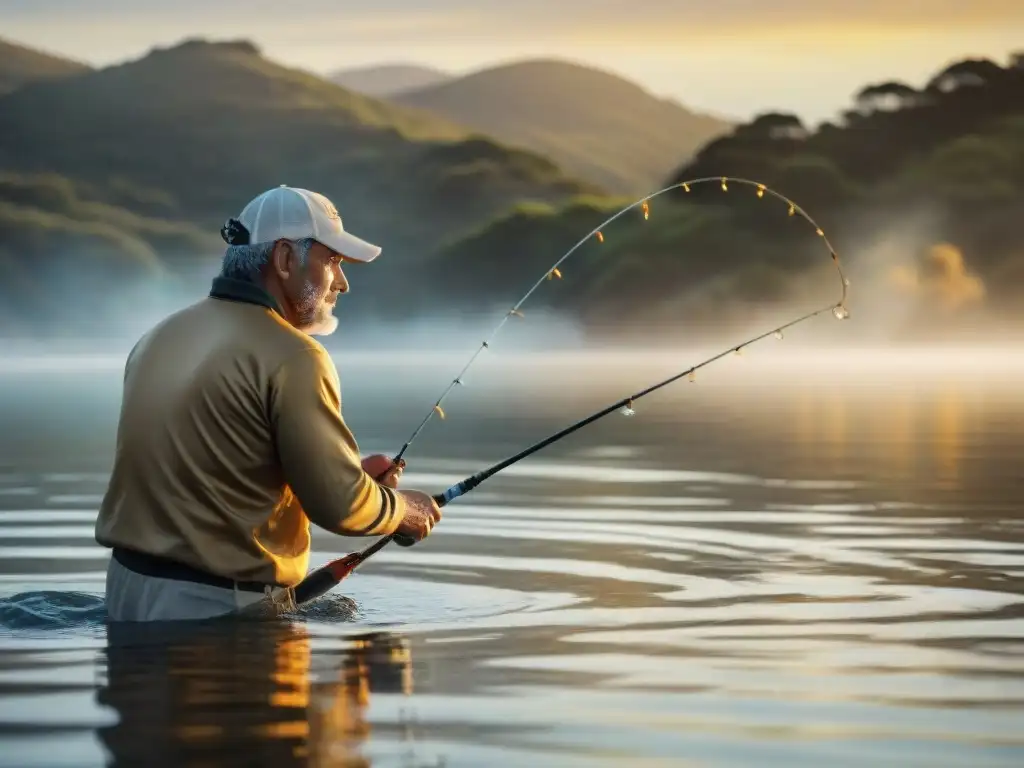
246 262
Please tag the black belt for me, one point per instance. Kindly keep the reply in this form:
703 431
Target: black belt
162 568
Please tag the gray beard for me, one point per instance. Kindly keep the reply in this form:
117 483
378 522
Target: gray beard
312 315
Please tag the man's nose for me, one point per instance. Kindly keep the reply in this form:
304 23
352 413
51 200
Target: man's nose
340 282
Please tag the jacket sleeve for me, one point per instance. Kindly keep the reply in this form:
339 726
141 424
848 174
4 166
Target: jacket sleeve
318 451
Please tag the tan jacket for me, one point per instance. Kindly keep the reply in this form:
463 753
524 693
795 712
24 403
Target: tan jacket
231 440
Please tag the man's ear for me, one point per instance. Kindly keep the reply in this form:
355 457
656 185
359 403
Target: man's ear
283 260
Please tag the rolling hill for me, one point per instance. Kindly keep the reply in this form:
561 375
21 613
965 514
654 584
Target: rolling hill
20 65
388 79
920 191
183 137
594 124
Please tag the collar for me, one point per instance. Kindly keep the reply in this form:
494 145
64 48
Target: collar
239 290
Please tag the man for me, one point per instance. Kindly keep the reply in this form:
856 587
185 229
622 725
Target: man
231 440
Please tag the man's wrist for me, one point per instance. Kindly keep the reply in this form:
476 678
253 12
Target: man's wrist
401 510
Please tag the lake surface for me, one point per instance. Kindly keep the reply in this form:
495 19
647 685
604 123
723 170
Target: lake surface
794 560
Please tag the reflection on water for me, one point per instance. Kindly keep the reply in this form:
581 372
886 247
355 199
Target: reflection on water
242 693
908 427
747 572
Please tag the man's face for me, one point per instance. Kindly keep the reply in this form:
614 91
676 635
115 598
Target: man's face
315 289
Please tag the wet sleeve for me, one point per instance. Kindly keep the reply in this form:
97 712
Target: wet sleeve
318 451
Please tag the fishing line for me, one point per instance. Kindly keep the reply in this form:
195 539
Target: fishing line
553 271
326 577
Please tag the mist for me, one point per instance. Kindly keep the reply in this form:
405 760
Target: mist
908 287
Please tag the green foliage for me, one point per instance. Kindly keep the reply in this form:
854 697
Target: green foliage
125 174
64 205
519 245
971 169
955 149
66 241
966 98
153 155
817 178
48 232
42 252
201 128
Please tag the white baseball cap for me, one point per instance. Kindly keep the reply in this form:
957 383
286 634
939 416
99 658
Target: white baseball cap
291 213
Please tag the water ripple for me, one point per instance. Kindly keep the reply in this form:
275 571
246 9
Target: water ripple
591 609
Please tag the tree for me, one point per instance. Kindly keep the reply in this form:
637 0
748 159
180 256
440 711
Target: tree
886 96
969 72
776 125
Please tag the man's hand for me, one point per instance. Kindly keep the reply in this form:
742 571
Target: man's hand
421 514
382 469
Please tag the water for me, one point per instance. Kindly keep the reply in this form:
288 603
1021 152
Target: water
781 563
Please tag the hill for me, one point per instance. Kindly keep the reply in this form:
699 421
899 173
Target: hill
596 125
921 193
20 65
388 79
188 134
52 226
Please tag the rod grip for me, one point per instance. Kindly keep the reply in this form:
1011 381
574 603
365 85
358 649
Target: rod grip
460 488
404 541
313 586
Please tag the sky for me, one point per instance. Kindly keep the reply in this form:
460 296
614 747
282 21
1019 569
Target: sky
734 58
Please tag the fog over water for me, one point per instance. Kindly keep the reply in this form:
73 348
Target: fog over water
811 554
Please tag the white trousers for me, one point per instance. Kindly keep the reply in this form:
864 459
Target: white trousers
133 596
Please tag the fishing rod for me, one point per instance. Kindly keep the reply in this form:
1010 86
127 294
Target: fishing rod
326 577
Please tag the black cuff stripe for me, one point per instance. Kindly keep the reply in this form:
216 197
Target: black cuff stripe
387 508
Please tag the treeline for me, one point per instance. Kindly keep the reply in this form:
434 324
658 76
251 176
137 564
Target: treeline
129 171
120 178
903 175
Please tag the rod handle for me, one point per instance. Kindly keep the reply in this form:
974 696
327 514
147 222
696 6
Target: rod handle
405 541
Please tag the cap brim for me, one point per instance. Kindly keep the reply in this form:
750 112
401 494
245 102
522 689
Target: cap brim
351 247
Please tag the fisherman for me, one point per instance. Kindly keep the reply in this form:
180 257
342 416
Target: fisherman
231 440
